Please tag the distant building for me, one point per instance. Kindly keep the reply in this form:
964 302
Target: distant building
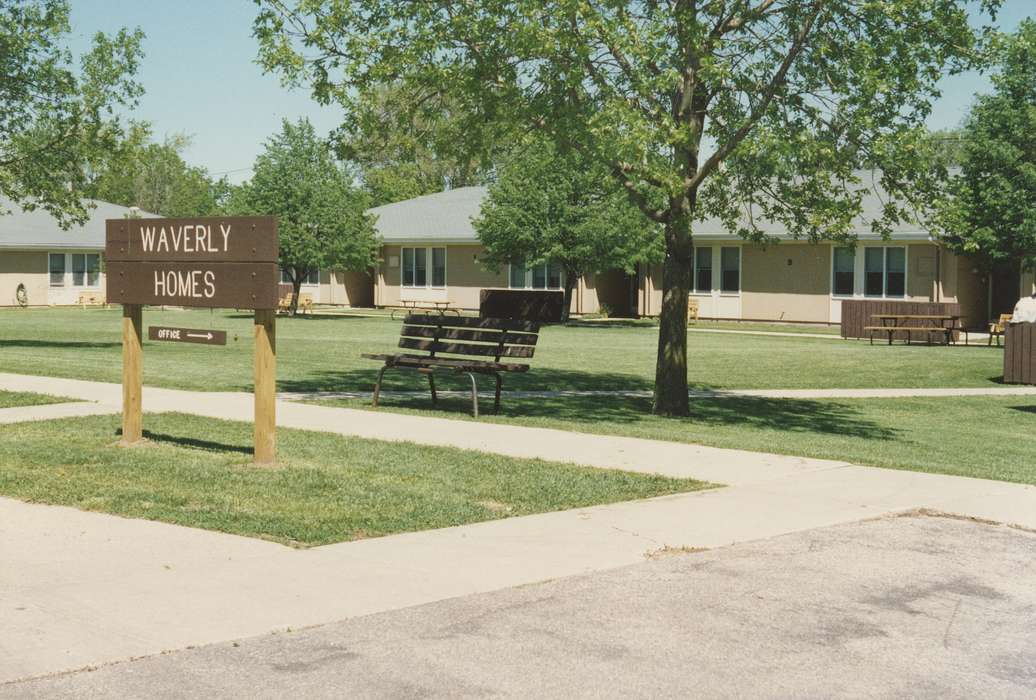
431 252
54 266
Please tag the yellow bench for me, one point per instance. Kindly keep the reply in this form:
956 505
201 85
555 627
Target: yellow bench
305 303
91 299
692 309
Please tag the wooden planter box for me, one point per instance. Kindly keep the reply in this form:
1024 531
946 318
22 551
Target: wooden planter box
859 313
1020 353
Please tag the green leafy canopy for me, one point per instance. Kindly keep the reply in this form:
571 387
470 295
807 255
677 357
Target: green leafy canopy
739 109
58 122
991 213
550 207
322 219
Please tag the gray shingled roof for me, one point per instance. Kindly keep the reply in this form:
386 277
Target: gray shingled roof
38 229
446 217
443 216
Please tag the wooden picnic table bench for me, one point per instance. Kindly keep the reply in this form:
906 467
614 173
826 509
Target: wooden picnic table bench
929 324
413 305
469 340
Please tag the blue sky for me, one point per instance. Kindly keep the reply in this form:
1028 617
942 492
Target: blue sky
201 78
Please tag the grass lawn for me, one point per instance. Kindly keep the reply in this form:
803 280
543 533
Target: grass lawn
195 472
979 436
323 354
14 399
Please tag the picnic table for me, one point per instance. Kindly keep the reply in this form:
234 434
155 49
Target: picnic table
946 325
412 305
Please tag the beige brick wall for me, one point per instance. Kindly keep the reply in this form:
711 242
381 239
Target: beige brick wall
23 267
787 281
466 276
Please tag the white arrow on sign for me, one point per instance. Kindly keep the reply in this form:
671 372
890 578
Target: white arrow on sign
207 336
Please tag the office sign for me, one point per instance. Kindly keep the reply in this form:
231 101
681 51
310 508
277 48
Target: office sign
211 262
187 335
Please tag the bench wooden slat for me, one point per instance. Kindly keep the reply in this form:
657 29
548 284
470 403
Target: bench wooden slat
909 329
470 322
448 363
466 348
481 336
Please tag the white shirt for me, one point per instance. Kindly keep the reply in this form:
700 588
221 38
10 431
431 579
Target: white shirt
1025 310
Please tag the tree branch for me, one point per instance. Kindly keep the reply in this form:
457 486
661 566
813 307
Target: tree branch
761 106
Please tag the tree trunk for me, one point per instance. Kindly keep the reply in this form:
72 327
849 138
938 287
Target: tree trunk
570 284
671 366
296 288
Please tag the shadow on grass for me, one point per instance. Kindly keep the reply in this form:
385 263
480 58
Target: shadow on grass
536 379
1024 409
195 443
596 413
79 344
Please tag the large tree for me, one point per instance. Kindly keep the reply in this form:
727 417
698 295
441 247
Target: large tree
407 143
556 208
155 177
58 121
991 213
742 109
322 219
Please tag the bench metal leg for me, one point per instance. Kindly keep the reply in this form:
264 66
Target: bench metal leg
474 395
431 384
496 402
377 385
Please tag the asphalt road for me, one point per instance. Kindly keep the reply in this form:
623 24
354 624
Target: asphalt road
899 607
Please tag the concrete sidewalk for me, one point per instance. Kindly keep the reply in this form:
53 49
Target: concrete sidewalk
27 414
891 608
82 589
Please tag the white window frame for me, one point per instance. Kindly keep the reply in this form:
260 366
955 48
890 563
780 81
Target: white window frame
528 277
64 271
717 270
860 273
885 272
68 275
429 271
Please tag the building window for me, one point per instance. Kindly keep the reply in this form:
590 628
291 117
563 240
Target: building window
884 271
703 270
312 276
895 272
86 269
544 276
415 267
844 280
57 269
730 264
874 272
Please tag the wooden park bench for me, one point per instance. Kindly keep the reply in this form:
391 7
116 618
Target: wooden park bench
508 328
476 346
91 299
305 303
997 328
693 307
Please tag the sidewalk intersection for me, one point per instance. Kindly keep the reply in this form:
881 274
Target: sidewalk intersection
81 589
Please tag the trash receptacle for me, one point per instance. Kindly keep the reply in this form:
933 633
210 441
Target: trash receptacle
1020 353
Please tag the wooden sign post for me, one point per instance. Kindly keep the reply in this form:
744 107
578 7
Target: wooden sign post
215 262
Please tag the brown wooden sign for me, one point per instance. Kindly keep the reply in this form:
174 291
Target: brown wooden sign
201 336
211 262
211 239
209 285
214 262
